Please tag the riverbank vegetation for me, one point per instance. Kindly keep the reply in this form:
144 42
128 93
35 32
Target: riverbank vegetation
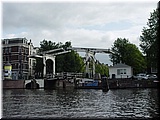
128 53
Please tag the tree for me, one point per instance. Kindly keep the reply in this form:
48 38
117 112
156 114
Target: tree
127 53
149 34
149 42
69 62
102 69
118 49
49 45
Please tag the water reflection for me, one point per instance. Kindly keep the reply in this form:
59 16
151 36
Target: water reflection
71 103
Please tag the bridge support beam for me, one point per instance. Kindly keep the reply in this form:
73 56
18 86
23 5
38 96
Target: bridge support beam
45 58
94 68
44 68
90 54
105 86
51 54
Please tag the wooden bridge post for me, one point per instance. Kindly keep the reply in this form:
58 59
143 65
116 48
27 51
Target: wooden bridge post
105 87
64 83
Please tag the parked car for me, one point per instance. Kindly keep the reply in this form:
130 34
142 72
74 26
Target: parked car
152 76
141 76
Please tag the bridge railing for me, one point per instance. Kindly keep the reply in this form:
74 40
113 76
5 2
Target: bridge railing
69 74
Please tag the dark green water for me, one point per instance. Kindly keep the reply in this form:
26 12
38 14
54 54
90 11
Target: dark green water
81 103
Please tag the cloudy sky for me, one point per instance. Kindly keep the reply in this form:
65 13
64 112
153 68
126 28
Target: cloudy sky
86 24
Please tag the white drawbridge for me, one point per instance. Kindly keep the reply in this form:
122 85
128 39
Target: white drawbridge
90 56
51 54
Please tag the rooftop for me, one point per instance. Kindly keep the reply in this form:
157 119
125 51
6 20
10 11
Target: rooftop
119 65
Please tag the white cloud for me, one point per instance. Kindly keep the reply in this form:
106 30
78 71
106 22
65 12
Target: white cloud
10 35
85 24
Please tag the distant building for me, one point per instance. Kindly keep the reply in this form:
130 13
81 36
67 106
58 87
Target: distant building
32 61
15 52
120 71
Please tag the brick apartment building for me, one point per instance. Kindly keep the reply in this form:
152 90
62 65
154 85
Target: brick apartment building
15 52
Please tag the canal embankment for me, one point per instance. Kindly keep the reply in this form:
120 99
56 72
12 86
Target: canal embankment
36 84
121 84
129 83
53 84
13 84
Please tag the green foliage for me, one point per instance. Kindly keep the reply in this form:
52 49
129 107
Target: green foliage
129 54
69 62
102 69
149 34
118 48
149 41
49 45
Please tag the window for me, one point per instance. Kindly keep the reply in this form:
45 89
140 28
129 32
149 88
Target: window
10 50
30 62
19 57
3 50
6 50
16 65
153 70
4 58
124 71
14 49
21 49
121 71
14 57
3 42
23 58
15 41
118 71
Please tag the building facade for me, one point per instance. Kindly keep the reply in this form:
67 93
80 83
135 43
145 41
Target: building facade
15 52
32 61
120 71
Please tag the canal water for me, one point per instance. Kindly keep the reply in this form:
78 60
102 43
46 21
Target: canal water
80 103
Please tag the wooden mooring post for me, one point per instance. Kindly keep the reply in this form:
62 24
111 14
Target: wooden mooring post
105 86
